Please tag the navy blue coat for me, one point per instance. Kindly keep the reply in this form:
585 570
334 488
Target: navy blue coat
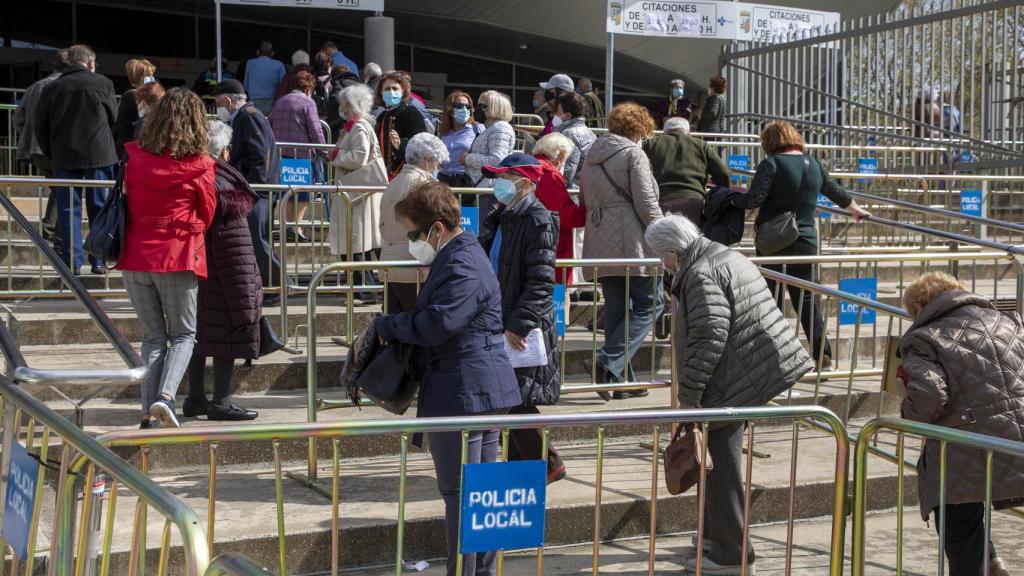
253 150
457 325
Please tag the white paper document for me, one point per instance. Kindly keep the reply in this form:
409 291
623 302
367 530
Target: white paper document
535 353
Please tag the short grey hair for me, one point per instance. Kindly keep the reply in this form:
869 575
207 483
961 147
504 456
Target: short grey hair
672 234
678 81
425 146
219 137
359 98
300 57
677 124
243 98
372 70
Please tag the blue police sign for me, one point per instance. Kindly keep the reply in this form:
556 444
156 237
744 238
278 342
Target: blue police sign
867 166
970 202
738 162
503 505
19 502
863 287
824 202
296 172
471 220
561 308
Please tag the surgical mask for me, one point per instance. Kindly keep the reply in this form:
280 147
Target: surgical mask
480 116
143 110
461 115
434 173
556 121
224 114
677 93
504 190
536 103
391 99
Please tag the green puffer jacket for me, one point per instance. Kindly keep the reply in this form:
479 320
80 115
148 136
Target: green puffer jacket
734 347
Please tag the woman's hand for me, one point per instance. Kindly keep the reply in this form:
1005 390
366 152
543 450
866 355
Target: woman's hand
857 212
515 340
396 140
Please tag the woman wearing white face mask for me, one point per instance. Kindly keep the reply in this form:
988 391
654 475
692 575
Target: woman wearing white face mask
398 122
146 99
456 325
424 154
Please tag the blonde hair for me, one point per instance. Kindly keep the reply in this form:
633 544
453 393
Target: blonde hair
926 288
779 136
137 69
499 107
553 146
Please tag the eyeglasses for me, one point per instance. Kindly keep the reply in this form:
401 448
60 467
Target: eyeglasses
482 106
460 107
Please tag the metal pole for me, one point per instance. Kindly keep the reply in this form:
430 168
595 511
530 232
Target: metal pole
609 75
216 12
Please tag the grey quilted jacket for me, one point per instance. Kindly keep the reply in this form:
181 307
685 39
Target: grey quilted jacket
736 348
582 138
616 219
963 363
489 149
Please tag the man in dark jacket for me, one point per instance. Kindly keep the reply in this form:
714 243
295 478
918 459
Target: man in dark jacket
28 145
254 154
681 165
520 238
74 128
736 349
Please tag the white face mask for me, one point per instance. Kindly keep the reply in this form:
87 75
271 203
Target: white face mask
422 251
143 110
556 121
224 114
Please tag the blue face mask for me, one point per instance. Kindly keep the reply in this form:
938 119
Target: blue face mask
461 115
434 174
504 190
391 99
677 93
536 104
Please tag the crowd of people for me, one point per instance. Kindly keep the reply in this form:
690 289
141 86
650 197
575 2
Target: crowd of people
197 251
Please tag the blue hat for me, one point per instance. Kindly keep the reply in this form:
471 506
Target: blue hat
522 164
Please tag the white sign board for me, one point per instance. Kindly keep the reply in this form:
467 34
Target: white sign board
367 5
716 19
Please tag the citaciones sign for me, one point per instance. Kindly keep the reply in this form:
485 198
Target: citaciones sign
716 19
366 5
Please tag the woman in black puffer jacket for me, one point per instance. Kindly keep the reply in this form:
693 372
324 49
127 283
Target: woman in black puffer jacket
231 298
520 238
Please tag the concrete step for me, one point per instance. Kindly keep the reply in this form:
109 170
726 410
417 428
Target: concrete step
246 513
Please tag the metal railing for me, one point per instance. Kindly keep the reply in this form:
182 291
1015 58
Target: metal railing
659 420
986 446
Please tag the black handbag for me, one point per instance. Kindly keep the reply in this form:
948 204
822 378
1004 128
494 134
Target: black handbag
781 231
270 342
106 231
389 378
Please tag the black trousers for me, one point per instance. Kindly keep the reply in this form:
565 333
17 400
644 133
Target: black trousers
528 443
223 368
810 309
401 297
965 538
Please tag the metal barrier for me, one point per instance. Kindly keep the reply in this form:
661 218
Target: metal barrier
988 445
405 427
232 564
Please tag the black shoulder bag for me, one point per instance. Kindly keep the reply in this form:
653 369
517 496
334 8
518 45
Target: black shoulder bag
781 231
106 232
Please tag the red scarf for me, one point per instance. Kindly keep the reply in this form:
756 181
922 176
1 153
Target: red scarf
351 123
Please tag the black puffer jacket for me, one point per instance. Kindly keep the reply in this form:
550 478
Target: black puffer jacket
738 349
231 297
529 233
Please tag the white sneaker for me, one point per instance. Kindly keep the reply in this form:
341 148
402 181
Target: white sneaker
163 411
711 568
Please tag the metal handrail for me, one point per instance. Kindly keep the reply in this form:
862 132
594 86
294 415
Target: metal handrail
943 434
193 540
940 211
137 370
234 564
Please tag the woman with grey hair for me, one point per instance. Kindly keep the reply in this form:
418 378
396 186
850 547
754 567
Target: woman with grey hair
219 139
424 156
358 161
735 349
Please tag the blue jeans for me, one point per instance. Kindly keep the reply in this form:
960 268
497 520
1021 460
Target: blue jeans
69 212
643 307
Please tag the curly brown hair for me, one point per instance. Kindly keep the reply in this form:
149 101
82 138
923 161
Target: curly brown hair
719 84
176 125
779 136
397 77
630 120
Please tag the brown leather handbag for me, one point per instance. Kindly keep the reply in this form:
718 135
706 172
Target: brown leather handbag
682 459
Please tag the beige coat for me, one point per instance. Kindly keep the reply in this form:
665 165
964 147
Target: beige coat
615 222
394 243
358 163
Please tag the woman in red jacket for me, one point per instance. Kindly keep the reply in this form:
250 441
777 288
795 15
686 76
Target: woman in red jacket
169 186
552 151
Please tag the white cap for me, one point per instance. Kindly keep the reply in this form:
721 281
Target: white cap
559 81
300 57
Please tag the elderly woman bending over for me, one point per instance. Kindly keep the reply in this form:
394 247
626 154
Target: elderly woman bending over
737 350
424 155
963 367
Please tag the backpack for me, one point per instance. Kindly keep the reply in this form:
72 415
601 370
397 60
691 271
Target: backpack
322 95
